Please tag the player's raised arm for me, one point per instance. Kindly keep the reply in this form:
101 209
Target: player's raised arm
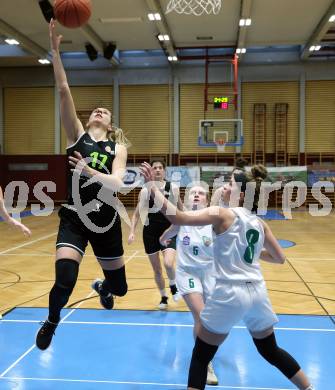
70 121
113 181
207 216
169 233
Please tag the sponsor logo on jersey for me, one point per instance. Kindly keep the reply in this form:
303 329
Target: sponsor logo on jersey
186 240
206 240
88 143
109 150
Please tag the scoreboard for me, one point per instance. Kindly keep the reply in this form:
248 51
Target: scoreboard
221 102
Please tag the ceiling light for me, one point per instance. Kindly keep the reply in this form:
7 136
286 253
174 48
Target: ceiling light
317 47
155 16
332 18
174 58
312 48
164 37
241 50
12 41
43 61
170 58
245 22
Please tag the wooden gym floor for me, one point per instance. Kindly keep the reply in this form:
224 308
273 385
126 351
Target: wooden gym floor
304 285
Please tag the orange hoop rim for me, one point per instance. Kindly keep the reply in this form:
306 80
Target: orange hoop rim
220 142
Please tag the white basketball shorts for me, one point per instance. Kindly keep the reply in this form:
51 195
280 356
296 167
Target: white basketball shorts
197 281
230 303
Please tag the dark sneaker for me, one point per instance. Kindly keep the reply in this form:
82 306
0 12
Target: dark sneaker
45 334
163 304
175 293
107 301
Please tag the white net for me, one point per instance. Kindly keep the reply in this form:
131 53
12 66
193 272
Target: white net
221 145
194 7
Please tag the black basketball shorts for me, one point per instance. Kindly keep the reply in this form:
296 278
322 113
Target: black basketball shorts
74 234
151 234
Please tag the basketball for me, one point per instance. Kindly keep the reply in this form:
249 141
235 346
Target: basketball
72 13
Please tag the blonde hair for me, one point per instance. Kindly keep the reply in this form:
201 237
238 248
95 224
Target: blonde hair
117 135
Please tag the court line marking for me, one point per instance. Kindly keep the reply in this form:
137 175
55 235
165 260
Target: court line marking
27 243
313 258
62 320
144 256
183 385
52 254
34 345
162 325
131 256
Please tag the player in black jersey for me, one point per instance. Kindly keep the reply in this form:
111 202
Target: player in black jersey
98 159
157 224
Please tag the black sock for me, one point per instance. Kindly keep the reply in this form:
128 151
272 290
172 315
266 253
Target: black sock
202 354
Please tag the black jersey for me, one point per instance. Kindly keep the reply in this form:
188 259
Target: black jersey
158 217
101 155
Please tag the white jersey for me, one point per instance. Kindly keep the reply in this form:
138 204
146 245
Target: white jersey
195 248
237 250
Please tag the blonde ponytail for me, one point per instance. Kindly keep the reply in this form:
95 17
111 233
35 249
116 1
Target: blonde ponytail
116 135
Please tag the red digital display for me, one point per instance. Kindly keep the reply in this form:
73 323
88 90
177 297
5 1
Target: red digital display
221 103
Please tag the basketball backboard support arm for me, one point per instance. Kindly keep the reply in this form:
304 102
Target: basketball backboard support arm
228 59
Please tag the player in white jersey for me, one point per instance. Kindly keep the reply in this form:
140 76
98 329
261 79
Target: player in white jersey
195 264
240 240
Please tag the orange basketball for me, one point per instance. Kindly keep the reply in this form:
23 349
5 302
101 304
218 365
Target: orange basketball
72 13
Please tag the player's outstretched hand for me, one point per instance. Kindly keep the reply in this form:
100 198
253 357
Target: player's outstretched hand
163 241
18 225
80 165
54 38
147 172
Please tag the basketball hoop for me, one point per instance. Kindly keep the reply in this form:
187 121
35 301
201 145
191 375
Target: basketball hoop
221 145
194 7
